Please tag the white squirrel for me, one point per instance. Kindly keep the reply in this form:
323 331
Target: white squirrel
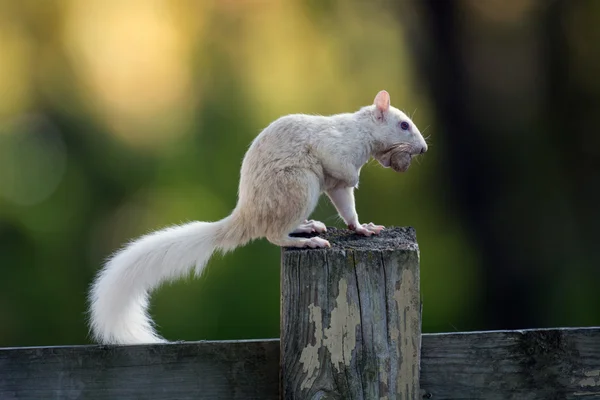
285 170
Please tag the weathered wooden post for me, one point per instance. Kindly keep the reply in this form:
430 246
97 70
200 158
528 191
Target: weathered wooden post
351 318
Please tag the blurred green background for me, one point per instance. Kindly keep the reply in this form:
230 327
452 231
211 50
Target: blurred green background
121 117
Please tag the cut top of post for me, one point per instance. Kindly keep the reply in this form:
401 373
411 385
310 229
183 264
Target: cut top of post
396 238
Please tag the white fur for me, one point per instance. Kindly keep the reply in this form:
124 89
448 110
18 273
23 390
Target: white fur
287 167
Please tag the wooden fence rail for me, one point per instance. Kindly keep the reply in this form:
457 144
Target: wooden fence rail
521 365
351 321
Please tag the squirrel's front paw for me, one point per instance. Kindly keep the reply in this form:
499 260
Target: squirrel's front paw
366 229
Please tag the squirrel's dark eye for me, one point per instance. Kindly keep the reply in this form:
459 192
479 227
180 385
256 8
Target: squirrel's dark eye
404 125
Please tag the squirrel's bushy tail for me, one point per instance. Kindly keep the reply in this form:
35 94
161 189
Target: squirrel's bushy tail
119 295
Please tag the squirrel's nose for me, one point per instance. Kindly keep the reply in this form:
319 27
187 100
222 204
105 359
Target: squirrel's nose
423 149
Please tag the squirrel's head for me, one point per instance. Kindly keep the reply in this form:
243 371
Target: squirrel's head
393 131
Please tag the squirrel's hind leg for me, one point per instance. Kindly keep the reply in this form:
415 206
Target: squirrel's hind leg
293 195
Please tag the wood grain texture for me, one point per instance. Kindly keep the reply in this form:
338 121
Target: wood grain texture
542 364
204 370
530 365
351 318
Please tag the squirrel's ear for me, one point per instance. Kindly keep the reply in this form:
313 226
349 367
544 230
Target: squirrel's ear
382 103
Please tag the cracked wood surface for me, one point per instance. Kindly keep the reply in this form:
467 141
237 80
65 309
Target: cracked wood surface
350 318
